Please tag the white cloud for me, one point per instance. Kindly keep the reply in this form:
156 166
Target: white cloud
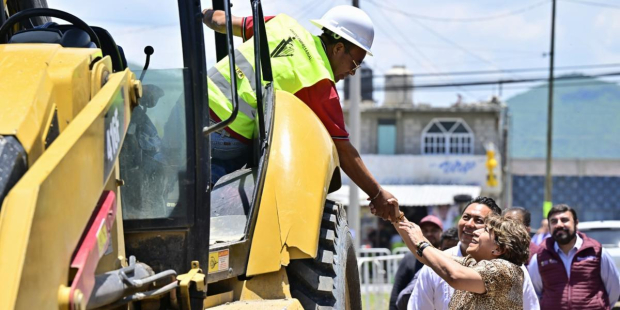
607 25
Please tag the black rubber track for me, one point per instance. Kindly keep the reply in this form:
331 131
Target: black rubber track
331 280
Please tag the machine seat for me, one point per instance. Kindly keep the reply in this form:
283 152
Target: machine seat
50 36
231 200
71 38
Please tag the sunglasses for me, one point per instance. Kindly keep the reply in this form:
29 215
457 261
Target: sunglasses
357 66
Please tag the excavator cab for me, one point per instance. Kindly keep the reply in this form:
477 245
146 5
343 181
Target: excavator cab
108 201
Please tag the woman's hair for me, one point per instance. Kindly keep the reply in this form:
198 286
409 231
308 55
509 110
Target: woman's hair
512 237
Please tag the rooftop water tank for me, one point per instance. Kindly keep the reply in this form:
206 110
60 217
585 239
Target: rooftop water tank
398 87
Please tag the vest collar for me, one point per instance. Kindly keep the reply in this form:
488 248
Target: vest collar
326 59
324 47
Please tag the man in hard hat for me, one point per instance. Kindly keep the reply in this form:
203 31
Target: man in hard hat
305 65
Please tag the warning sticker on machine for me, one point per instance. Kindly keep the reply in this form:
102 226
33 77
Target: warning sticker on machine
102 238
218 261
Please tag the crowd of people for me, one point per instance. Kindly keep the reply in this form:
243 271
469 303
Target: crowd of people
492 263
488 261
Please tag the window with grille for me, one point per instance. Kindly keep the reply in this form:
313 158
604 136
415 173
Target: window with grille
447 136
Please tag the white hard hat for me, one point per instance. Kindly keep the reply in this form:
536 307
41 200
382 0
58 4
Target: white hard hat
350 23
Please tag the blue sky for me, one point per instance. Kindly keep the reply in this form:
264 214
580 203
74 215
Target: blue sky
426 37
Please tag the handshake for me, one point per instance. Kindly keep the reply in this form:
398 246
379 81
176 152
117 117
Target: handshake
385 206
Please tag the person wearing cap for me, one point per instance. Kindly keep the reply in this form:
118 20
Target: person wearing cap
431 229
304 65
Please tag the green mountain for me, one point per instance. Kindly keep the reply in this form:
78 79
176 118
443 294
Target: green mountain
586 120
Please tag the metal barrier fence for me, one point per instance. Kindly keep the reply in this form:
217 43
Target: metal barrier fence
401 250
377 268
373 252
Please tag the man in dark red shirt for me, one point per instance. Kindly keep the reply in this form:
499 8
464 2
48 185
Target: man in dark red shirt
344 56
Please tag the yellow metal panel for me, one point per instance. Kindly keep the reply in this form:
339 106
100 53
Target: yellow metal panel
302 161
45 214
71 75
218 299
27 93
272 285
34 77
295 253
283 304
266 244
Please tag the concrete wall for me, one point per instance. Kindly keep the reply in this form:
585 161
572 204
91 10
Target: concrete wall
567 167
591 187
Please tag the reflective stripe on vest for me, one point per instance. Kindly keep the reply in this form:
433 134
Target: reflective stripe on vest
297 58
225 87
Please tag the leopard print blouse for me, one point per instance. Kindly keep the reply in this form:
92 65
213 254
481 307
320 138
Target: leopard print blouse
503 281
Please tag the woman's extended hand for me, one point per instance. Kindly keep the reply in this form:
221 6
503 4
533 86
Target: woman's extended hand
410 232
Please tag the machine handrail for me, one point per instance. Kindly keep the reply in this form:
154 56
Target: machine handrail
261 47
233 82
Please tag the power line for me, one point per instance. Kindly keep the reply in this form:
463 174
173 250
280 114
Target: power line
409 42
406 39
311 7
303 10
516 86
593 3
455 44
462 20
477 62
484 72
495 50
506 81
380 89
527 85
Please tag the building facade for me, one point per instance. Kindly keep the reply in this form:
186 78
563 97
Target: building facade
423 145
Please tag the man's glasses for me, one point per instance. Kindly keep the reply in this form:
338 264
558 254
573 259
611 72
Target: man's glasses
357 66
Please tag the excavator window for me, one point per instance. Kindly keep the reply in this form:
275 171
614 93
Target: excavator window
154 159
154 155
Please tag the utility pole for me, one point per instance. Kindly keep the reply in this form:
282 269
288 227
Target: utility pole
355 97
548 180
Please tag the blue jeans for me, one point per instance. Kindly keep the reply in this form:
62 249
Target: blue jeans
227 155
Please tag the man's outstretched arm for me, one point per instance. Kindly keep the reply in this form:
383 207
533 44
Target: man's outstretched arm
353 166
216 20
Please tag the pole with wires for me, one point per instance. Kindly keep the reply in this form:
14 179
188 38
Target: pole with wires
548 178
355 96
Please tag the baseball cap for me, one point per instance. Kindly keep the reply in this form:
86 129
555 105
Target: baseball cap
432 219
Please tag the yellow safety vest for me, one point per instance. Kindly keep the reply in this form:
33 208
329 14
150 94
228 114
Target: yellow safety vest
298 60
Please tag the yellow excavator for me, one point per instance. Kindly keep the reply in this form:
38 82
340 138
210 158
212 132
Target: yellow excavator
105 193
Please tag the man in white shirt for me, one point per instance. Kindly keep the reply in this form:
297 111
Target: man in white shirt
432 292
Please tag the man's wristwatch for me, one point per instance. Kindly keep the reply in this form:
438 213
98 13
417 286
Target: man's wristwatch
421 246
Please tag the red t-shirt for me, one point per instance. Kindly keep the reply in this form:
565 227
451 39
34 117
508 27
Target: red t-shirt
322 97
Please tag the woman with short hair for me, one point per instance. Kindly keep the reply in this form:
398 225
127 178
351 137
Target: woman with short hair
489 277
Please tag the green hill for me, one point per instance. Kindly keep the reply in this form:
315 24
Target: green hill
586 122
